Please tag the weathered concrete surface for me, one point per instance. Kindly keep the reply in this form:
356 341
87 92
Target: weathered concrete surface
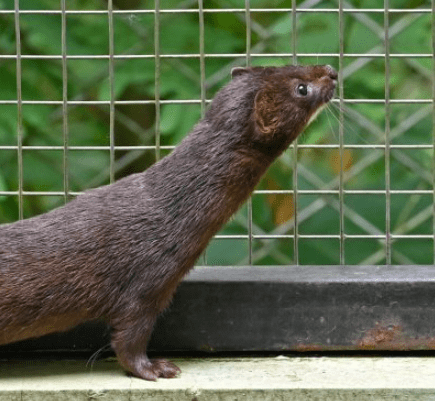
280 378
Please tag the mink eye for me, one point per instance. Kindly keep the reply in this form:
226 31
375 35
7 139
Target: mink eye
302 89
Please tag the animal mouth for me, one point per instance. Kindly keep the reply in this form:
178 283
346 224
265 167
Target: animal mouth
330 81
331 90
329 94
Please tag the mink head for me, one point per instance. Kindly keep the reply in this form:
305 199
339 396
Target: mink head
278 102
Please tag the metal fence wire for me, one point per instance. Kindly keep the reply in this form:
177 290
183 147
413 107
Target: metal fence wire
91 92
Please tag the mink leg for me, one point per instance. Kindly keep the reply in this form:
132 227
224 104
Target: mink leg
130 344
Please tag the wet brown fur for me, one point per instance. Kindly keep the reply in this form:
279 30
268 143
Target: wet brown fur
118 252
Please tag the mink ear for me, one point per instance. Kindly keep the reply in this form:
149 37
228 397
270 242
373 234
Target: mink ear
236 71
265 114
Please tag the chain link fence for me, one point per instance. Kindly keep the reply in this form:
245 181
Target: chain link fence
95 90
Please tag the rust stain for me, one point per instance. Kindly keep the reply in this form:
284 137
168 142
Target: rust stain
310 348
393 338
384 336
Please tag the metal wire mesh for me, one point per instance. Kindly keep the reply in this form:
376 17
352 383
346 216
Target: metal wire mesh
306 193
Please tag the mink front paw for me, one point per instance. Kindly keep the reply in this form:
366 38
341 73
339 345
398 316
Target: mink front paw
151 369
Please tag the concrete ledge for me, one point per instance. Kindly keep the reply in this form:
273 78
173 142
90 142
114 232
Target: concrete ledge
280 378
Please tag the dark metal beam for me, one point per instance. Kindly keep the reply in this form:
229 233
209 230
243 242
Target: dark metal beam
284 309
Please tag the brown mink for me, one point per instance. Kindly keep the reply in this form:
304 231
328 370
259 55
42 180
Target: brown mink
118 252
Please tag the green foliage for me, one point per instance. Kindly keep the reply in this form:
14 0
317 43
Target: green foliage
180 79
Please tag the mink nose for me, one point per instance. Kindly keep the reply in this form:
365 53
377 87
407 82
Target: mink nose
331 72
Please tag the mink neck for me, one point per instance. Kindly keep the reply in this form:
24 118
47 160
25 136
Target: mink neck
204 181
